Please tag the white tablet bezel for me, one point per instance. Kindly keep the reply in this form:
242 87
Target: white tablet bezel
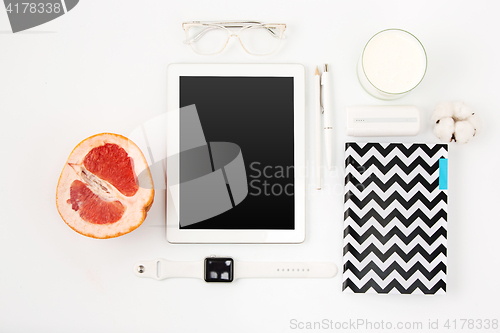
173 232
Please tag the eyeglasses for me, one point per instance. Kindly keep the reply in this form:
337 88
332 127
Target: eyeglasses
255 37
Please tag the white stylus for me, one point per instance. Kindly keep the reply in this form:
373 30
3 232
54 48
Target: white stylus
327 109
317 111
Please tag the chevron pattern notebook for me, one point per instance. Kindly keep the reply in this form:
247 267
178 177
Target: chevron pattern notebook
395 218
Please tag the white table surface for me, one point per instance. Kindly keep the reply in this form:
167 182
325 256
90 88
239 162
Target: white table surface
102 68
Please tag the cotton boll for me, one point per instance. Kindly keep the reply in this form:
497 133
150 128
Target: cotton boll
443 110
476 123
464 131
455 121
461 111
444 129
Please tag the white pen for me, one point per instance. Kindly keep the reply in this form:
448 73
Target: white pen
317 111
327 109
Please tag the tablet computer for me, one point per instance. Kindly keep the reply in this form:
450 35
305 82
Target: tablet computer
235 153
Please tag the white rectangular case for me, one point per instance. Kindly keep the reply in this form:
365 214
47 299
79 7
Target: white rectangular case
382 120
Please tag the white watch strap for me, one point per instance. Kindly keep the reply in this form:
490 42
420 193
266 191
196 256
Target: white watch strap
160 269
284 270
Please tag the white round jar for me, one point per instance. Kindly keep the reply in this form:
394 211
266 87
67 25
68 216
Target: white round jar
392 64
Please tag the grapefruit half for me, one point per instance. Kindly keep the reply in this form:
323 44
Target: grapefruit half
99 194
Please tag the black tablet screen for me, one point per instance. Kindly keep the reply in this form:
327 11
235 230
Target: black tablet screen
242 177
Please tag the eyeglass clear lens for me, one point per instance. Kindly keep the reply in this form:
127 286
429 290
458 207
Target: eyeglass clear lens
260 40
207 40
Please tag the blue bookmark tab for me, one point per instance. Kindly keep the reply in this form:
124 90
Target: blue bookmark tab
443 173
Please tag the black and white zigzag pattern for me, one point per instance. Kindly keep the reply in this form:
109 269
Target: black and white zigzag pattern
394 219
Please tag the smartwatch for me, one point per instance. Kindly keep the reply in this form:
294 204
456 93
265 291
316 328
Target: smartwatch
226 269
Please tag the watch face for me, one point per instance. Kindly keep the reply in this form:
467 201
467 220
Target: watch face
219 269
